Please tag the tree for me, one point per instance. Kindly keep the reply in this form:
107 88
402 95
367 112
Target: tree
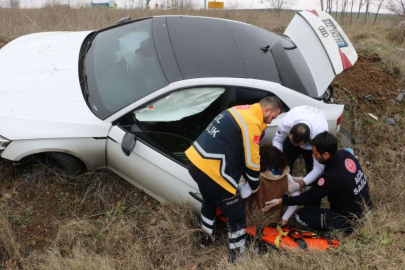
322 4
380 3
329 4
179 4
337 7
396 6
367 11
361 4
351 12
343 12
10 3
279 5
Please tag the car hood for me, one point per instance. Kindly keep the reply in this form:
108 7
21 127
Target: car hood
40 94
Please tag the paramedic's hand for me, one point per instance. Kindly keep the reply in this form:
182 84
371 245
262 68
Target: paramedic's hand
271 204
297 178
292 185
283 222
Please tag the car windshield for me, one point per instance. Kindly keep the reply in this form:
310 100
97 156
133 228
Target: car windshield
121 67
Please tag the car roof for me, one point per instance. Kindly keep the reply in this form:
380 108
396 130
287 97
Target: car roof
211 47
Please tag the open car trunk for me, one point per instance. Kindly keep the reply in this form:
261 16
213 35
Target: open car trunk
326 49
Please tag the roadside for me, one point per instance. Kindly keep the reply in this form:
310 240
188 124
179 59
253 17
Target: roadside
99 221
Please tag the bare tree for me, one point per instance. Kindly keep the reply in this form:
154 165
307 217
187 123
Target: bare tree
329 4
179 4
279 5
351 11
367 11
14 3
343 12
322 4
396 6
361 4
336 11
380 3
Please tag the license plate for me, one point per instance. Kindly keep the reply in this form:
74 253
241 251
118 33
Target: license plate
335 33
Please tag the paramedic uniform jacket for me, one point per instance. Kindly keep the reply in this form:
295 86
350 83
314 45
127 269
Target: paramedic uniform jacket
345 184
229 147
316 122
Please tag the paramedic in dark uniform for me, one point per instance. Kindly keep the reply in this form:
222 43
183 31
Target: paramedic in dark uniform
300 125
224 152
343 182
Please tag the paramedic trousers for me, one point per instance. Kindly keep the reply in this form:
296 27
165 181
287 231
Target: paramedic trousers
232 206
322 219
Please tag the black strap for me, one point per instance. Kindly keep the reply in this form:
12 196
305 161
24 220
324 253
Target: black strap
301 243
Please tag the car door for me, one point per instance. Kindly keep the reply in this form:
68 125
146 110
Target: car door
149 169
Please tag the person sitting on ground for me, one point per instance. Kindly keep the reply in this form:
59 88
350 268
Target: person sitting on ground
275 181
343 182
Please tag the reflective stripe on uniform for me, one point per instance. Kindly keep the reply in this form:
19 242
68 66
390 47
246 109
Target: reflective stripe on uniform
206 220
236 234
205 228
239 244
246 139
252 178
217 156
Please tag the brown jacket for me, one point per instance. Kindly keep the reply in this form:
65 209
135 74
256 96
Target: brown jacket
271 187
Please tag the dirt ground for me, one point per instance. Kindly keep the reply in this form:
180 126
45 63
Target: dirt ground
39 202
367 77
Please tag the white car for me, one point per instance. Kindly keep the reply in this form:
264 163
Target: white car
134 96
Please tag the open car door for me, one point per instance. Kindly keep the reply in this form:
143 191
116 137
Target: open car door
323 44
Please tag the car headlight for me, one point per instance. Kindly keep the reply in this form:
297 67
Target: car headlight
3 143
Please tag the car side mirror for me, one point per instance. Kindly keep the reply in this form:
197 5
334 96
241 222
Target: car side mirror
128 143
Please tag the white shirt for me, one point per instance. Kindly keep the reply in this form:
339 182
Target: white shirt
316 122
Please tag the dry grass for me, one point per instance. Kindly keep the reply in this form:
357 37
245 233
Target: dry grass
101 222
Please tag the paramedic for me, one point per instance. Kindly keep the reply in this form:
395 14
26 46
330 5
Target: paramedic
227 149
300 125
343 181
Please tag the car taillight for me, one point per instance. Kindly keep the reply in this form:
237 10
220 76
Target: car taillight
339 120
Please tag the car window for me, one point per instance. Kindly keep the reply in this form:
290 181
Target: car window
122 66
172 138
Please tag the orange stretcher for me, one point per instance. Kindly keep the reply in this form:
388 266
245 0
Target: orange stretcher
288 237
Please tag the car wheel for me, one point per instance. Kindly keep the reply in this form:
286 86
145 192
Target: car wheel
70 165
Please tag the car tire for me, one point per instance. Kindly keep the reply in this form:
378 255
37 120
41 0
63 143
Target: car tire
70 165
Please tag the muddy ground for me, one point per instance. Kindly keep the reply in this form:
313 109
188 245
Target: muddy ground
38 202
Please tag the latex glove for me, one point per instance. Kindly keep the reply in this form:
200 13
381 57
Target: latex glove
245 190
271 204
283 222
292 185
297 178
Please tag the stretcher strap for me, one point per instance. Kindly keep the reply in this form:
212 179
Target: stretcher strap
302 234
278 238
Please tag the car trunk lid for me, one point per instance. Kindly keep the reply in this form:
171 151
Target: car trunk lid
325 47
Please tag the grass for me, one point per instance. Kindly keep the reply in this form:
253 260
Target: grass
98 221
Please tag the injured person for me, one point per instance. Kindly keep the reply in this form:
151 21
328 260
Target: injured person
275 181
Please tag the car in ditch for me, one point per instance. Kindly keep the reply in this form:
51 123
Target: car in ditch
134 96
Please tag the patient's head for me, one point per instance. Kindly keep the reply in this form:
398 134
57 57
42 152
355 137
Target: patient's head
272 157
